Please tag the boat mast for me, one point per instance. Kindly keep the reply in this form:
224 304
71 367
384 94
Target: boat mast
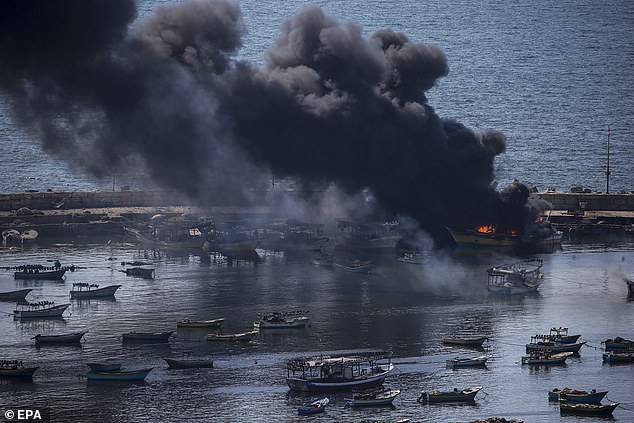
607 170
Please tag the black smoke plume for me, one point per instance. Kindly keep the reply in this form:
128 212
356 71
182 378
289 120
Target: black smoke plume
329 106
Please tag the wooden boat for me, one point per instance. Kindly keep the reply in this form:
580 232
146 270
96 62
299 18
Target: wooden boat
619 344
19 295
468 361
315 407
613 357
382 397
189 364
412 257
140 272
552 347
546 358
356 266
515 278
35 272
66 338
91 290
465 395
282 320
119 375
42 309
339 373
147 336
14 368
239 337
186 323
558 335
573 395
587 409
465 342
104 367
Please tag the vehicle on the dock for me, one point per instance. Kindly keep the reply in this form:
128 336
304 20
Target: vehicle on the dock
40 309
468 361
573 395
618 344
147 336
464 395
15 296
282 320
587 409
189 363
91 290
620 357
356 266
558 335
412 257
372 398
315 407
544 358
200 324
64 338
339 372
515 278
238 337
130 375
536 345
470 342
107 367
40 272
140 272
15 368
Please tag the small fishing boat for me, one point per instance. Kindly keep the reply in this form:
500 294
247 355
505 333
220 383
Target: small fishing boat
40 272
356 266
587 409
119 375
613 357
558 335
282 320
465 395
40 309
186 323
515 278
189 364
239 337
104 367
66 338
16 296
140 272
147 336
618 343
91 290
372 398
537 345
315 407
465 342
573 395
412 257
468 361
540 358
14 368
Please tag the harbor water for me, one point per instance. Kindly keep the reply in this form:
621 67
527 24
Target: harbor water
406 309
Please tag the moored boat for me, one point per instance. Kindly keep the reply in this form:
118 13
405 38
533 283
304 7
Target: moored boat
468 361
240 337
189 364
91 290
187 323
41 309
282 320
104 367
515 278
558 335
356 266
17 296
465 342
538 358
587 409
464 395
131 375
140 272
147 336
39 272
315 407
372 398
14 368
412 257
619 344
65 338
552 347
340 372
573 395
621 357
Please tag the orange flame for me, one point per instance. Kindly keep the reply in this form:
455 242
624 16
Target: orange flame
486 229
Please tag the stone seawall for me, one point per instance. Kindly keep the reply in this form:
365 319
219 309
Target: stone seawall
576 202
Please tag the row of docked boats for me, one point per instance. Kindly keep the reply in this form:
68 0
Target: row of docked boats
576 402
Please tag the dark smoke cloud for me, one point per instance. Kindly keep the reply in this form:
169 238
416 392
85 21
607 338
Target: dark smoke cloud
329 105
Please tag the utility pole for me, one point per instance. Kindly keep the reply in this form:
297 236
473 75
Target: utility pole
607 170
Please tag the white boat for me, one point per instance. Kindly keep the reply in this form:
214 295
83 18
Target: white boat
546 358
382 397
187 323
282 320
516 278
240 337
412 257
42 309
468 361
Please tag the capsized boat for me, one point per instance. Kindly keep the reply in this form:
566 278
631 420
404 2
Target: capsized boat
315 407
240 337
573 395
618 344
40 309
187 323
189 363
91 290
515 278
104 367
468 361
359 370
131 375
65 338
15 368
464 395
539 358
372 398
17 296
587 409
471 342
147 336
282 320
614 357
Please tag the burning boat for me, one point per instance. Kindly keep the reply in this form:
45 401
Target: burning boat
491 236
516 278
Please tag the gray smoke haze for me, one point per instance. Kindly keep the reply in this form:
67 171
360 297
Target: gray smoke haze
329 106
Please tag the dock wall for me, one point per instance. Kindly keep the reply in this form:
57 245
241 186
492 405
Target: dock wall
588 201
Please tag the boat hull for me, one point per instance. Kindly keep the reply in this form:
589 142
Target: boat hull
587 409
465 342
618 357
298 323
554 347
55 311
189 364
121 376
200 323
19 295
450 396
52 275
467 362
238 337
587 398
324 385
147 337
559 358
107 291
382 401
22 372
70 338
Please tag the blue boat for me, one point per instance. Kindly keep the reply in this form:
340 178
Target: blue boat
125 376
573 395
315 407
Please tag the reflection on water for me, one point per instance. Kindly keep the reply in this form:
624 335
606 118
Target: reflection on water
406 309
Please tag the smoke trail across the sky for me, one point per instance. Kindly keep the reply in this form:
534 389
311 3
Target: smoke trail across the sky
329 106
